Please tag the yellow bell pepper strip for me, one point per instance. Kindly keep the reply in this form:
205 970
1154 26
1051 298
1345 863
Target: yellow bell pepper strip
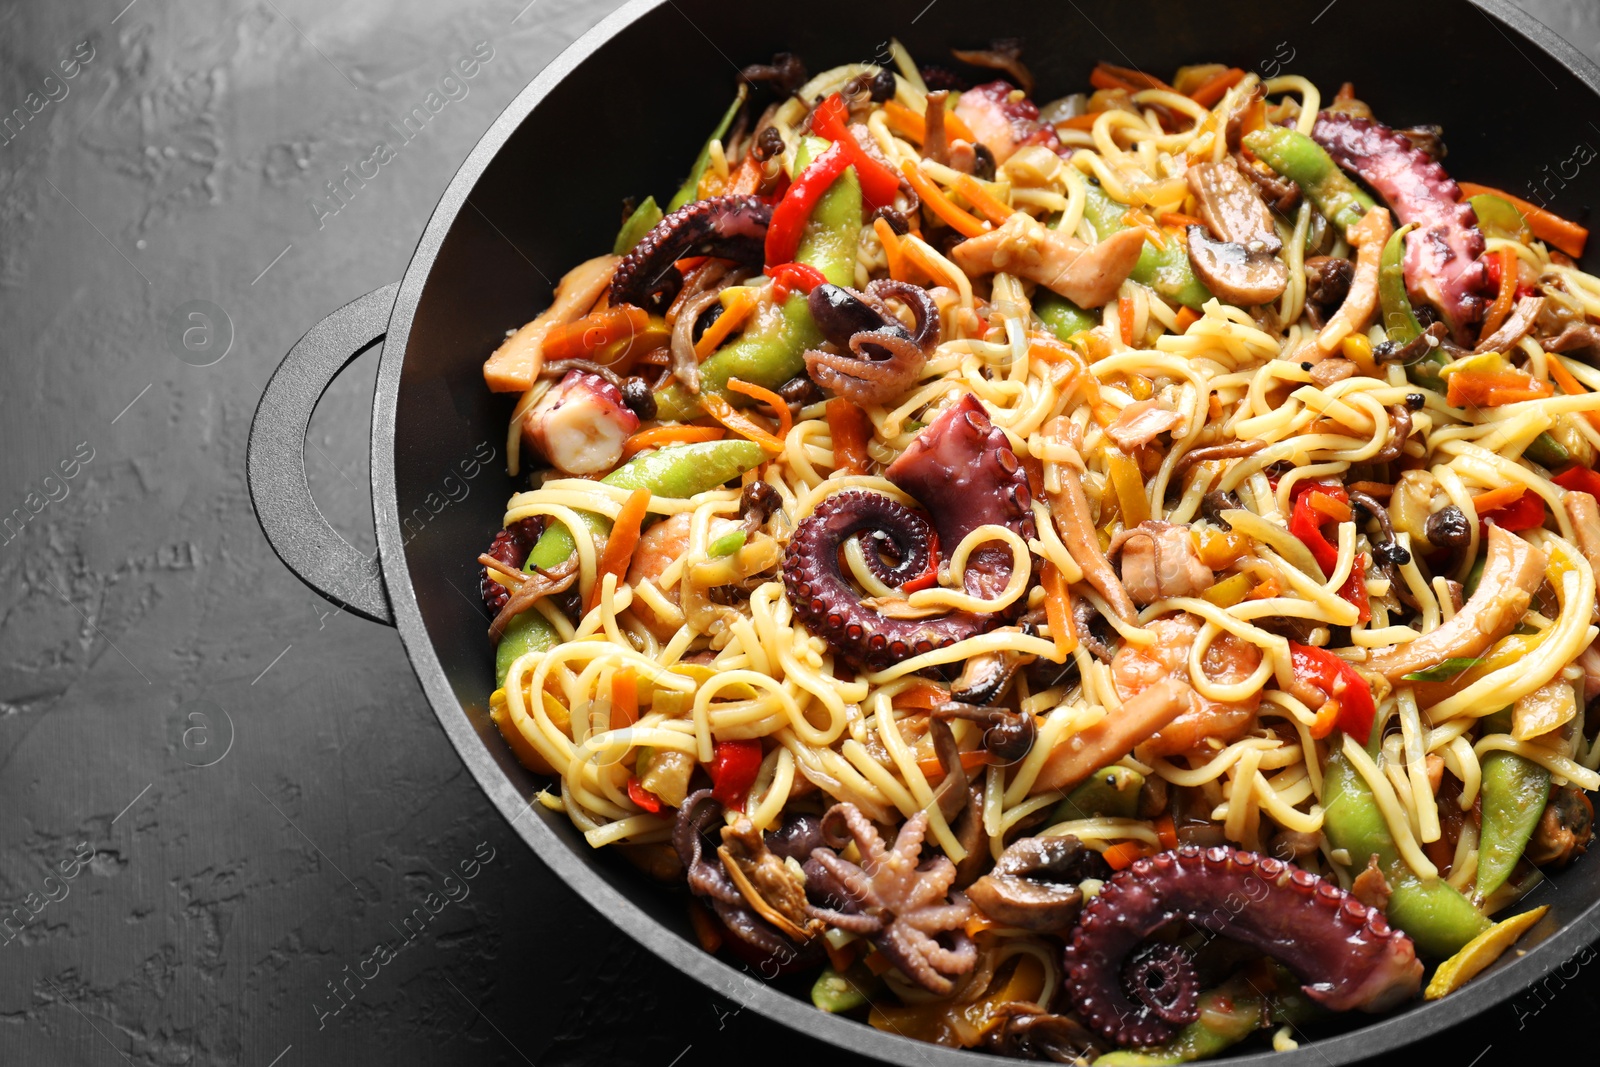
691 184
1549 227
641 222
677 472
1129 488
1480 952
738 301
771 350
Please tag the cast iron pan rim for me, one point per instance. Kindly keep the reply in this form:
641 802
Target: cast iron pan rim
1389 1034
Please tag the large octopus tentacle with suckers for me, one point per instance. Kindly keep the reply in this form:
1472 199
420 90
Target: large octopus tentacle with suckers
962 469
884 359
1345 953
1441 263
730 227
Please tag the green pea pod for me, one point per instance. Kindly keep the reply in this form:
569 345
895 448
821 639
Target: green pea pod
678 471
641 222
1514 792
1439 919
1111 792
1547 452
772 349
1062 316
1166 270
1499 217
1227 1017
834 992
691 185
1303 161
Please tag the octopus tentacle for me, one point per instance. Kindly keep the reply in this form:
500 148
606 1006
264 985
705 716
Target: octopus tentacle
730 227
885 358
1441 263
1346 953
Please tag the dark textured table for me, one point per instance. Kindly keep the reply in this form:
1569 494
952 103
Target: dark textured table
227 816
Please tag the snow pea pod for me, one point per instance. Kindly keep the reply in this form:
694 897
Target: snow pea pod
679 471
640 223
1166 270
1304 162
1514 791
771 350
1062 316
691 185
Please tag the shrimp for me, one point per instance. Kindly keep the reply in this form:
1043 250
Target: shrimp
1228 660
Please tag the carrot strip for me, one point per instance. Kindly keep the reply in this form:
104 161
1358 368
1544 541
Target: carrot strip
1327 718
1187 317
741 301
1121 855
989 206
1110 76
1178 218
1215 87
620 543
1496 315
1493 388
840 958
1141 219
891 248
624 698
577 339
934 771
904 121
977 925
747 179
1085 121
769 398
1380 490
965 224
1549 227
1494 499
923 695
877 963
657 436
740 423
1057 612
1125 319
1266 590
851 430
1570 385
1167 832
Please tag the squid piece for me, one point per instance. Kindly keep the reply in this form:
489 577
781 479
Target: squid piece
1087 275
1369 236
1159 561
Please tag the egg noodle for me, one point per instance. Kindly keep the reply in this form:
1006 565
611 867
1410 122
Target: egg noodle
709 666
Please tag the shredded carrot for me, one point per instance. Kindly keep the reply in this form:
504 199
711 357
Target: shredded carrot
988 205
656 357
1167 832
903 120
1494 499
1549 227
1380 490
1187 317
1214 87
933 770
1121 855
1496 315
877 963
747 179
706 929
657 436
1327 718
740 302
851 430
1085 121
891 248
769 398
1266 590
1057 610
718 408
576 340
840 958
1178 218
1570 385
1329 505
922 694
624 698
962 222
620 543
1125 319
1109 76
1493 388
1137 217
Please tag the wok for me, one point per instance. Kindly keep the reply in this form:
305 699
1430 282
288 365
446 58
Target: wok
621 112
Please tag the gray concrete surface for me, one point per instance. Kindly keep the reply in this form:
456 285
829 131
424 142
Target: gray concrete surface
218 798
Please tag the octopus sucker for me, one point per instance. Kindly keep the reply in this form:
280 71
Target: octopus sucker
730 227
1441 263
962 469
1346 954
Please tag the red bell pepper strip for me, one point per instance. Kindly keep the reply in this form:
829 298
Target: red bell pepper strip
1354 588
790 216
642 796
878 183
1305 522
1492 267
792 277
1579 480
1524 513
733 771
1340 683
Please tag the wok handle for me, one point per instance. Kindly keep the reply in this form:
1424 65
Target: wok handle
276 461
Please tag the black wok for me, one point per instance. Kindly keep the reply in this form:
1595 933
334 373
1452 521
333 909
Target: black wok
621 113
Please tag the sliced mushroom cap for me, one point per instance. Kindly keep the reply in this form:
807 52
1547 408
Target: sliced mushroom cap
1232 207
1234 272
1008 735
1034 884
985 677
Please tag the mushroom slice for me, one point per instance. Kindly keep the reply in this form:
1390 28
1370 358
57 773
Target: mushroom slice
985 677
1234 272
1231 206
1034 884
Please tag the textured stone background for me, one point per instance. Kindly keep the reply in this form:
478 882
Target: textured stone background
146 629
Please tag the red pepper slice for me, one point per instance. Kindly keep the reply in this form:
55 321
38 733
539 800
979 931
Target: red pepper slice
1491 267
1346 689
790 216
733 771
879 184
642 796
1579 480
1524 513
793 277
1354 589
1305 522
